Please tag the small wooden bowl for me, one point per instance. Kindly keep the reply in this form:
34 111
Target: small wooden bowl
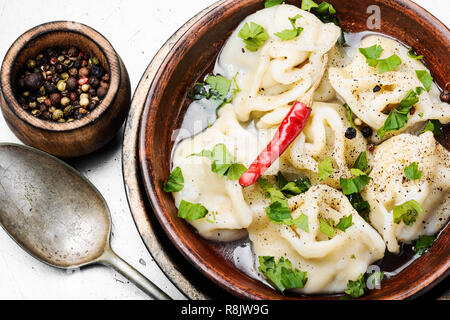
79 137
193 55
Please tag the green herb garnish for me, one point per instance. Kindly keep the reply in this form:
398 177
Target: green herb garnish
271 3
434 126
281 274
345 223
222 162
355 289
361 162
425 78
407 212
360 205
354 185
325 168
412 172
327 227
191 211
289 34
413 55
374 52
253 36
349 113
175 182
398 117
423 243
292 188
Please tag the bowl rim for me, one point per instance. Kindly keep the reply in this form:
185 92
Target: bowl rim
33 34
151 184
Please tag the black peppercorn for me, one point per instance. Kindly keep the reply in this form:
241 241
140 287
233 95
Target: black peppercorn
377 88
96 71
59 67
367 131
33 81
350 133
71 84
445 96
93 82
101 92
50 88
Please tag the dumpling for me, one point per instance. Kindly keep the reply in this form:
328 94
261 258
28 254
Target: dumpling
355 84
329 263
279 72
389 187
322 137
229 214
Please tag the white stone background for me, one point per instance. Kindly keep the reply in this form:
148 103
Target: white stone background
136 29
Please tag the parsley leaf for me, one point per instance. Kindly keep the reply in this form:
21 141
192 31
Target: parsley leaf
191 211
344 223
412 172
326 227
292 188
398 117
279 213
216 88
374 52
349 113
307 5
325 168
360 205
222 162
354 185
412 55
253 36
281 274
434 126
425 78
355 289
361 162
302 222
326 13
175 182
423 243
271 3
272 192
407 212
289 34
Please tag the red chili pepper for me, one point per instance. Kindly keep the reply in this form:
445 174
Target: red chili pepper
288 130
83 80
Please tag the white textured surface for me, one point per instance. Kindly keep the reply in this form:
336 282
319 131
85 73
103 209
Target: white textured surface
136 29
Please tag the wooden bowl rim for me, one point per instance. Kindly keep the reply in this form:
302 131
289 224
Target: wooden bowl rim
150 182
34 34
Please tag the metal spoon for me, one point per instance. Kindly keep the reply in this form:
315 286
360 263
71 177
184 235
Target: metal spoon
57 215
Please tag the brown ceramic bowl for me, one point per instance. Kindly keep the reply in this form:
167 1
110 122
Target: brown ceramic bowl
78 137
193 56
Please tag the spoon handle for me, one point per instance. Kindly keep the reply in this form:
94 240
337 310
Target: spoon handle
111 259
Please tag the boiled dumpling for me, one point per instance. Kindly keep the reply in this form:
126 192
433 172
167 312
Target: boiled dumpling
355 84
322 137
280 71
329 263
229 214
389 187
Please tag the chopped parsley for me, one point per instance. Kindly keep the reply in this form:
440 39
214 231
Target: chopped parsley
271 3
355 289
398 117
360 205
349 113
425 78
356 184
325 168
279 213
434 126
412 172
175 182
281 274
372 55
253 35
423 243
292 188
289 34
345 223
326 227
222 162
216 88
191 211
407 212
361 162
413 55
302 222
326 13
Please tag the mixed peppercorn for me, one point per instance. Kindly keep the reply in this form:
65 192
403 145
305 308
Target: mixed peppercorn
62 85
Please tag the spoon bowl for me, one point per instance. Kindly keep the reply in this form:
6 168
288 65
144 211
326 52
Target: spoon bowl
57 215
